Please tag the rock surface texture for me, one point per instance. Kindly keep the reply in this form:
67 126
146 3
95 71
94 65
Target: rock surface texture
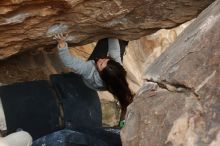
142 52
180 104
30 24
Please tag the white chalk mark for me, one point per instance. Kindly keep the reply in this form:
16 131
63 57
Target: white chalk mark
57 28
19 18
205 81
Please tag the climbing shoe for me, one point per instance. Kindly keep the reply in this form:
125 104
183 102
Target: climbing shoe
121 123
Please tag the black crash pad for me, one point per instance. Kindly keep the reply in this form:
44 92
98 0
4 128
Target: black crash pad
101 49
82 107
31 107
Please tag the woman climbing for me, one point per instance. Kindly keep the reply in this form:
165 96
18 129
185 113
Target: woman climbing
100 74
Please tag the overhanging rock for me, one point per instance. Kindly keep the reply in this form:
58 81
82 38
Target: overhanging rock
30 24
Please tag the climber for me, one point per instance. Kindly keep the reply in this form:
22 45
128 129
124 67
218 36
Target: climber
102 73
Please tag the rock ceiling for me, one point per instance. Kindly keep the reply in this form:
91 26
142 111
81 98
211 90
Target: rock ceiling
30 24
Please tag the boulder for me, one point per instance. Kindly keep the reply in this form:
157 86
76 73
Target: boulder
180 104
142 52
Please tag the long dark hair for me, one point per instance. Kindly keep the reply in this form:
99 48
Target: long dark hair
114 77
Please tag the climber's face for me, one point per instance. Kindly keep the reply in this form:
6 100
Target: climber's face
102 63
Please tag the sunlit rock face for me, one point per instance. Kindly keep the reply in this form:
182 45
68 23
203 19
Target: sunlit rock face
30 24
141 53
180 104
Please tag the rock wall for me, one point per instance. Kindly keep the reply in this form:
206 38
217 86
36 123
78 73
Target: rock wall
142 52
29 66
37 64
179 105
30 24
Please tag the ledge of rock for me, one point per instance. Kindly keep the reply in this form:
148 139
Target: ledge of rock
30 24
179 105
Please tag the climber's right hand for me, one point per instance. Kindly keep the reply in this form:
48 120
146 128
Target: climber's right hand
61 39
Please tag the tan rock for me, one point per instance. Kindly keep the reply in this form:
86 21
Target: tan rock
30 24
142 52
110 113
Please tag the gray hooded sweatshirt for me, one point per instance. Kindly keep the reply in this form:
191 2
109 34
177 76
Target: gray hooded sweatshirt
87 69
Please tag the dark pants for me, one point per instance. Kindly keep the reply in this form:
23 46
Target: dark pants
101 49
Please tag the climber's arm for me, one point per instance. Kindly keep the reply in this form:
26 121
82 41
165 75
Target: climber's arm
77 65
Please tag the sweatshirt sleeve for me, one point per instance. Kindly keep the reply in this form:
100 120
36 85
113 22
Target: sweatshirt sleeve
114 49
77 65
